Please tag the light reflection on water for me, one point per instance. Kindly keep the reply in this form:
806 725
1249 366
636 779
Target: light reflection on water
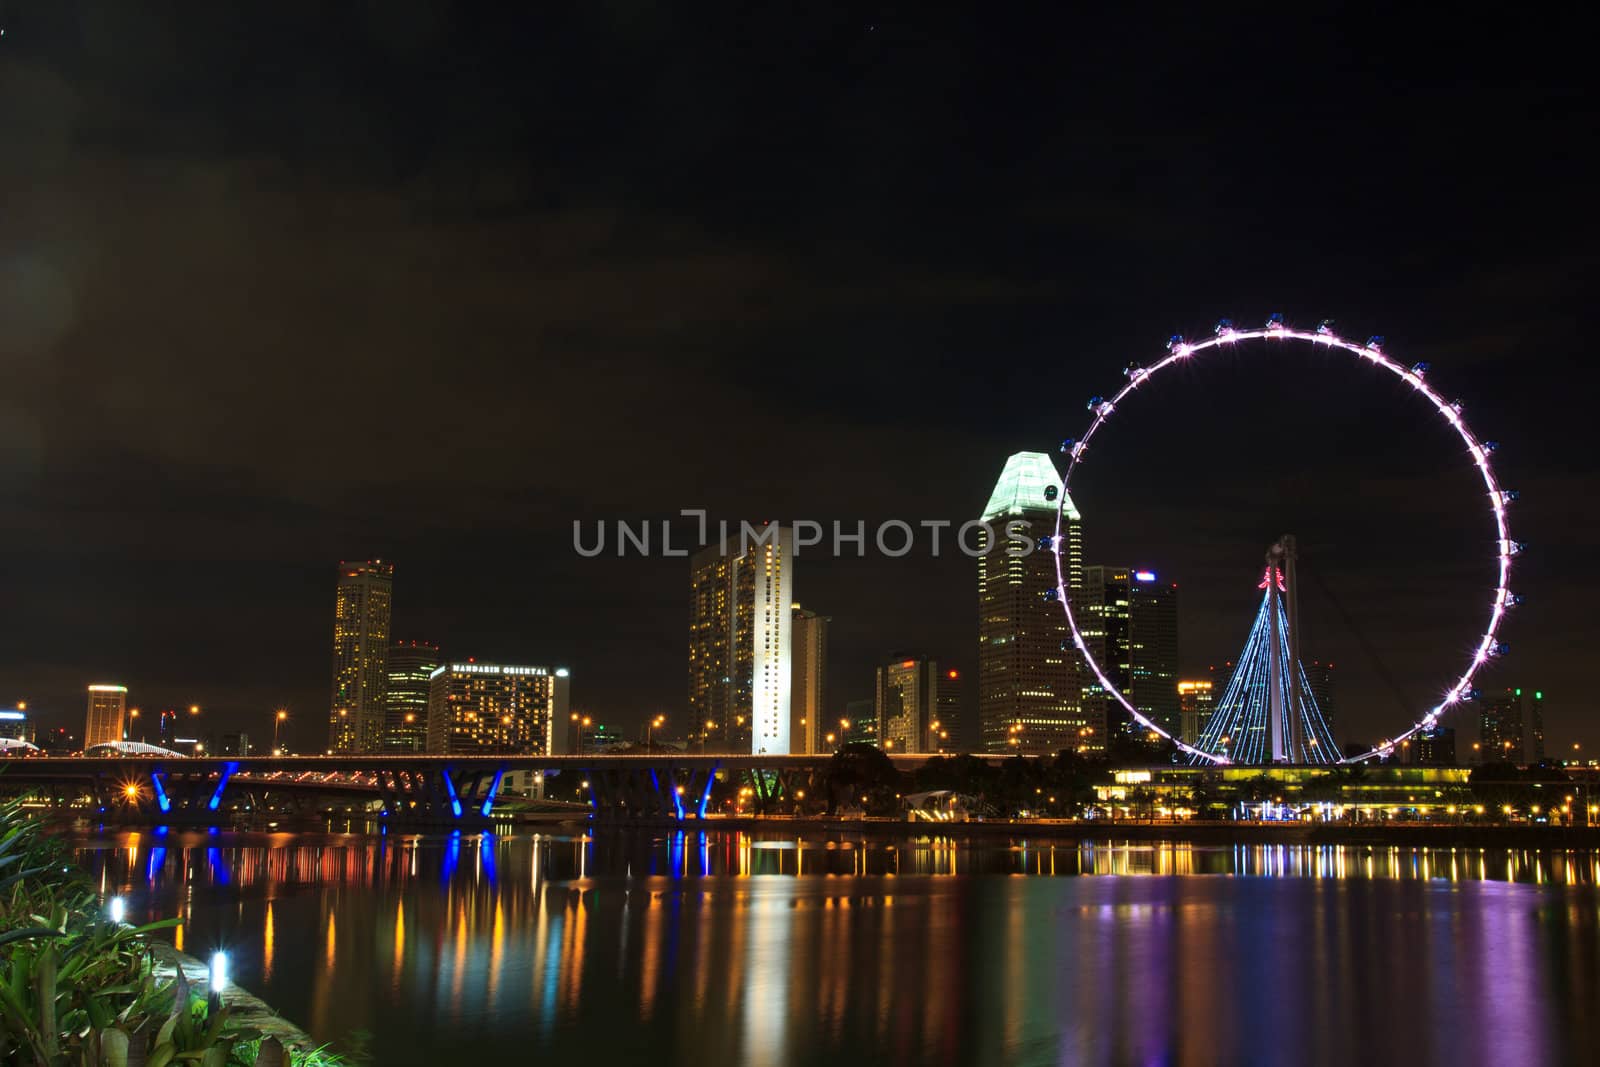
740 948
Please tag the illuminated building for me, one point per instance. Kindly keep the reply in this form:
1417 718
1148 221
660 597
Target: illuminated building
405 721
236 744
1029 682
495 708
809 671
1511 726
15 724
1130 621
360 655
740 653
108 706
1194 709
910 698
1435 747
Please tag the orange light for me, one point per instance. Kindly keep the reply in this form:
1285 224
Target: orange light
955 674
909 663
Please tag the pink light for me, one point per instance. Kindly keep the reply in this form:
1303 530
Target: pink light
1372 353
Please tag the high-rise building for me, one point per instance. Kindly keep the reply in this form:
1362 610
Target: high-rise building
862 715
1320 677
1434 747
809 671
1511 726
405 720
1194 709
740 648
947 709
108 706
361 611
912 695
487 708
1029 679
1130 622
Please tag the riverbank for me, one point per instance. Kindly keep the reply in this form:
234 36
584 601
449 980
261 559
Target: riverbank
1399 835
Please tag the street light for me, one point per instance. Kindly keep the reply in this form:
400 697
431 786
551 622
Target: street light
278 719
650 731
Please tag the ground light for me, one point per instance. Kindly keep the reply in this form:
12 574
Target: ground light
219 979
117 909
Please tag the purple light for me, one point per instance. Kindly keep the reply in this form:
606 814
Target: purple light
1371 352
1144 576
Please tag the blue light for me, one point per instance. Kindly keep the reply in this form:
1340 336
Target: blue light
222 783
494 787
450 790
705 796
1144 576
162 800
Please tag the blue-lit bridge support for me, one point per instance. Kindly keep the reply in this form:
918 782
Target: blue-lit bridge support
424 792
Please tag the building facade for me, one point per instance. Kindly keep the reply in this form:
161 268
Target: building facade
405 721
1511 726
362 604
1030 691
808 671
1194 708
496 709
862 715
1434 747
1130 622
15 724
108 715
911 698
740 645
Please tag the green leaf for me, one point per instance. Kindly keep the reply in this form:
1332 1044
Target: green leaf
113 1048
29 932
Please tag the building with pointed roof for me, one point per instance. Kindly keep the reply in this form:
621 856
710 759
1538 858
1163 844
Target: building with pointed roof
1030 681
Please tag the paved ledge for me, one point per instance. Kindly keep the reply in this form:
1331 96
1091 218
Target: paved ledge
247 1009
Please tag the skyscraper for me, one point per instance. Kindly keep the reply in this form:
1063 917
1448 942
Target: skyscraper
1194 709
809 671
361 609
1511 726
740 654
910 698
489 708
1320 675
1131 625
1029 679
405 725
108 705
947 710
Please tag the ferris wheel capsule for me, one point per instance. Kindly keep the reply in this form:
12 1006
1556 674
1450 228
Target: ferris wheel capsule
1275 321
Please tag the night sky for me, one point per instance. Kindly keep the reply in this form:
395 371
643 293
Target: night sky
287 283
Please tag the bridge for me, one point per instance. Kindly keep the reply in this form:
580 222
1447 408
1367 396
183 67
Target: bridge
415 789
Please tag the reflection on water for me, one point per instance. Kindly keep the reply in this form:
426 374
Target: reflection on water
740 948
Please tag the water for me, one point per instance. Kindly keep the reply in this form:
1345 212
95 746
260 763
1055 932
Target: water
726 948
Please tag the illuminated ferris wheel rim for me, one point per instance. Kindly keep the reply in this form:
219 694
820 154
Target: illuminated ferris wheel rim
1180 350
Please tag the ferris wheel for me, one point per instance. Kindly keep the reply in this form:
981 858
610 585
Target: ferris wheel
1276 333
